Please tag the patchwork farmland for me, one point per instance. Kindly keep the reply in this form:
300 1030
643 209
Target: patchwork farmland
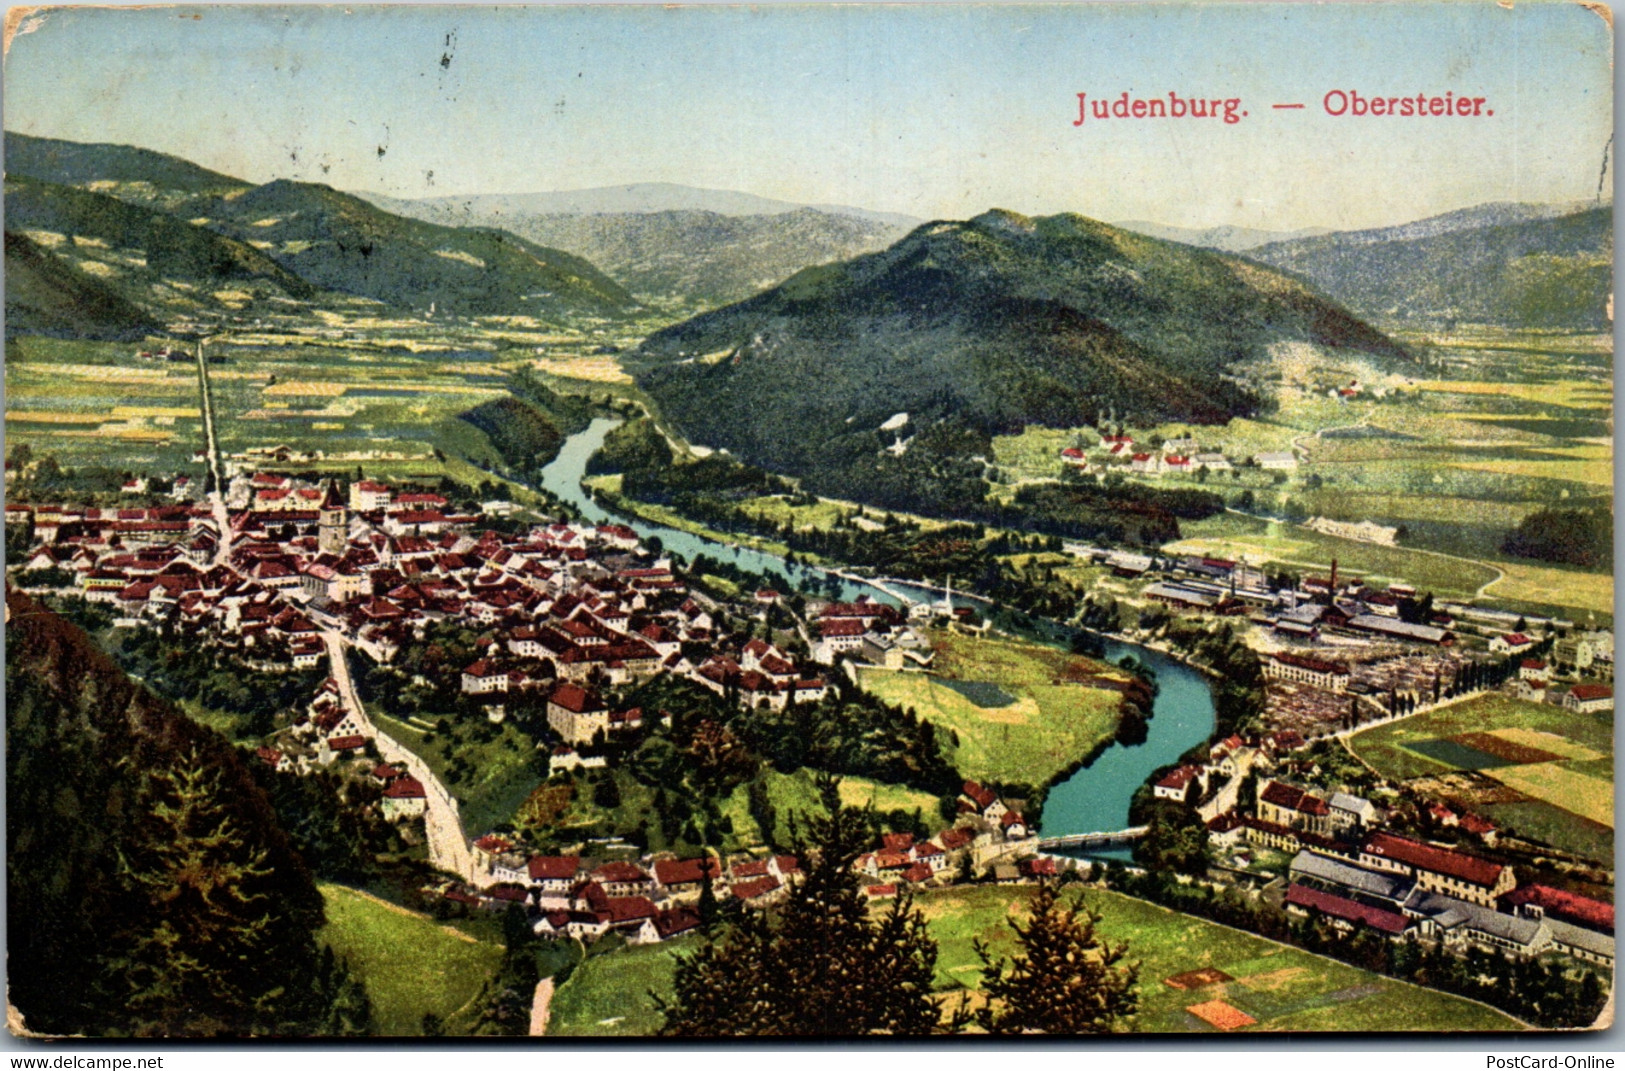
1534 768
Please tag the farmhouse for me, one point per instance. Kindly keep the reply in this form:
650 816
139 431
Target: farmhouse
1589 698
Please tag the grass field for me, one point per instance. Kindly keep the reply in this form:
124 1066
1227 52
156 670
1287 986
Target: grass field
608 995
1283 988
797 794
1053 720
410 963
1566 774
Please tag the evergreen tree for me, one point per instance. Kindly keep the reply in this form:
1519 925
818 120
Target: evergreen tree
1063 980
201 916
820 964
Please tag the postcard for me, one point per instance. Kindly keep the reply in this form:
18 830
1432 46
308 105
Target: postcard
809 520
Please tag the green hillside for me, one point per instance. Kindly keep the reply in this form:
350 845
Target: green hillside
994 323
124 171
143 245
44 296
687 254
1529 273
150 890
340 242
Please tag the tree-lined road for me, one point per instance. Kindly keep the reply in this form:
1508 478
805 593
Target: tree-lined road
442 823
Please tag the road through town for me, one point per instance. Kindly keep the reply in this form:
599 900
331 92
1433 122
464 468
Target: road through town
443 825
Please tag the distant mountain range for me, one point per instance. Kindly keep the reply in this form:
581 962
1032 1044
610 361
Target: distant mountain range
1224 239
994 323
172 237
665 241
639 197
1543 266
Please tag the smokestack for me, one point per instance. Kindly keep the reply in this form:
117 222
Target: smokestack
1334 578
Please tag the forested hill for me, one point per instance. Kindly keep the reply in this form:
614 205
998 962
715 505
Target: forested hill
996 322
150 891
1508 266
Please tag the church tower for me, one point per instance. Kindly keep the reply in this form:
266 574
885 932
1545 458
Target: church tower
333 522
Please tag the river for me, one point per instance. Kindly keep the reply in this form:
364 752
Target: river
1094 799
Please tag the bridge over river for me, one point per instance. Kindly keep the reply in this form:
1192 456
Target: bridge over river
1092 840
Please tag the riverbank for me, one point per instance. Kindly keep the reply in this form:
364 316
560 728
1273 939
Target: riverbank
1096 795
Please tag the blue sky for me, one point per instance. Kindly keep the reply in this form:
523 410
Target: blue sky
932 110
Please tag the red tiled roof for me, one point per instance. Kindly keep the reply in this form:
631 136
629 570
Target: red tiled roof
750 890
1284 795
554 867
576 699
1570 907
619 871
1585 692
1412 853
685 871
984 797
1338 907
623 909
406 788
918 872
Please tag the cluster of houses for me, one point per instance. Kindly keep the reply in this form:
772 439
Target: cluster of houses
1175 457
988 833
566 608
650 900
870 632
1350 871
656 898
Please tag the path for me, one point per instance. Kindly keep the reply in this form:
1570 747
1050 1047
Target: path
541 1007
211 444
442 823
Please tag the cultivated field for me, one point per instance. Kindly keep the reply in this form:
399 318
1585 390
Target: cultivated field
1279 988
1557 766
1022 712
410 963
1504 423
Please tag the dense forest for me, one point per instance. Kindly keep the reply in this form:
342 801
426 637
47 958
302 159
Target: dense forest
150 890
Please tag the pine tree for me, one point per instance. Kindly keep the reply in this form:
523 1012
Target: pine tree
1064 979
820 965
202 916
